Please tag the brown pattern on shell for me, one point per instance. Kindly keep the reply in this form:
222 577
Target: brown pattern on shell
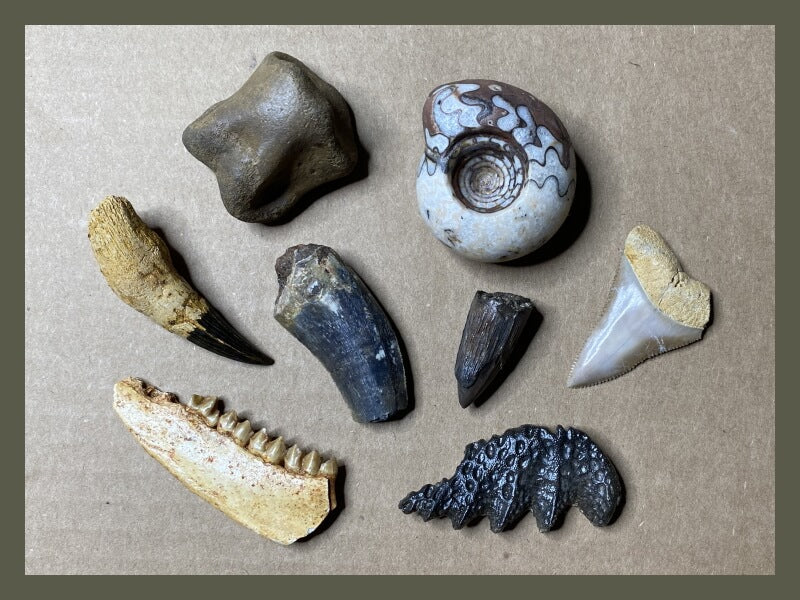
488 117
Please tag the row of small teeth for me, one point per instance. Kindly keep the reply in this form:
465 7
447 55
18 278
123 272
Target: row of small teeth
273 451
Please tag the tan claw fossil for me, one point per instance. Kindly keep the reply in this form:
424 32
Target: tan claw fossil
221 460
654 307
137 266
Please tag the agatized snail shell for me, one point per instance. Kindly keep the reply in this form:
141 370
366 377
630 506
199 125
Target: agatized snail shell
497 177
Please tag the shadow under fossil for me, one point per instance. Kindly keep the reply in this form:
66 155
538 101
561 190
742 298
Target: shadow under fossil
573 226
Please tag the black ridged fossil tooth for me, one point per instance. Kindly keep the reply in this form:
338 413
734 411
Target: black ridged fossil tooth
494 326
138 267
526 468
324 304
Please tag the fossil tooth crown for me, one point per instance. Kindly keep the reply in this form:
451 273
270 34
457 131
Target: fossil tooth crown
282 495
324 304
494 327
654 307
497 177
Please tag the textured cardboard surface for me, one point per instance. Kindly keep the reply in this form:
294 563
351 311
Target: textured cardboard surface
675 127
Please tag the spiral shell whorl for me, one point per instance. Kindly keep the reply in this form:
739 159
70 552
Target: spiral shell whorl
497 177
487 172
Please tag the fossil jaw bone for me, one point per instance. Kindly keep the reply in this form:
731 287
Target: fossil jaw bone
137 266
654 307
224 465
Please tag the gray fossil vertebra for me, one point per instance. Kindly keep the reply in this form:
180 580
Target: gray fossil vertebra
137 266
284 133
494 326
324 304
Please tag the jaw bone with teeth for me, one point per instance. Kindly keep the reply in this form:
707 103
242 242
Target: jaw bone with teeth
277 492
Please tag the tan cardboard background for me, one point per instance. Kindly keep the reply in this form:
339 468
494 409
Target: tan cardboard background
675 127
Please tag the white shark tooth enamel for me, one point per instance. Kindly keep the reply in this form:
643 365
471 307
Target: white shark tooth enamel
214 463
654 307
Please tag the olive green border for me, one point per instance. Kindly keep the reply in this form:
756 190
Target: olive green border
408 11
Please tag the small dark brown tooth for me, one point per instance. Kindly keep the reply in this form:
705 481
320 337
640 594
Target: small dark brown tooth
494 327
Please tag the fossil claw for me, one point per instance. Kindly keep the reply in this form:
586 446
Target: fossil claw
220 466
324 304
137 266
654 308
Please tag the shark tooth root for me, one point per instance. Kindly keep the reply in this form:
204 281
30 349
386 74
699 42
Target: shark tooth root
311 463
324 304
138 267
654 307
213 463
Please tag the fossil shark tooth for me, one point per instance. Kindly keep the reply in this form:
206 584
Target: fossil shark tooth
654 308
324 304
526 468
494 326
137 266
260 494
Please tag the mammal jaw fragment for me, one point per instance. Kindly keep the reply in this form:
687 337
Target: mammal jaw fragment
278 493
654 308
137 266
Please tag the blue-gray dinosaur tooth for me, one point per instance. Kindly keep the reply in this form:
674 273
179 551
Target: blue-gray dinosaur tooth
526 468
494 326
324 304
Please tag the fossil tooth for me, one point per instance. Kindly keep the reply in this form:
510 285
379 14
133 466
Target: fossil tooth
228 421
137 266
282 134
311 463
497 176
275 451
258 443
329 468
242 432
265 497
526 468
324 304
654 308
292 459
494 326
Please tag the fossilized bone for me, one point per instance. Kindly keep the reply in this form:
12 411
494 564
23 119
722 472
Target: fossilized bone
277 492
